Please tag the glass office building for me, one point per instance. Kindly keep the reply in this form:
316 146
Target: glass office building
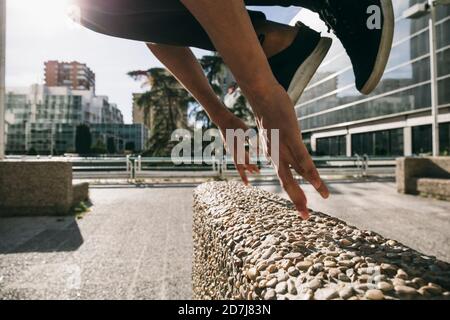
394 120
44 119
61 137
123 136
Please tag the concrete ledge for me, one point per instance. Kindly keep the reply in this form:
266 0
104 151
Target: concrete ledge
36 188
409 169
434 187
80 193
250 244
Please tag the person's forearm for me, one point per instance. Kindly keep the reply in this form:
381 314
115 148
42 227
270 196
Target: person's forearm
182 63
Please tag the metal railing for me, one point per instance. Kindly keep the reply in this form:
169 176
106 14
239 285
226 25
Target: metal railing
141 168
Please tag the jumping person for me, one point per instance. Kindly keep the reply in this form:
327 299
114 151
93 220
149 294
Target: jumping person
272 62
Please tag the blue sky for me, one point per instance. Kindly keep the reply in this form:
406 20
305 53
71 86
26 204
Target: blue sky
40 30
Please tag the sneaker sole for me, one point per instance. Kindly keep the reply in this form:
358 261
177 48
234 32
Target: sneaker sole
307 69
385 47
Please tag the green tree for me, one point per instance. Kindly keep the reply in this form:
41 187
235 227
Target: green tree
32 152
99 147
111 145
130 146
213 67
169 101
241 110
83 139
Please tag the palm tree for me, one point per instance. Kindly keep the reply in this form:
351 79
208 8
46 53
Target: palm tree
213 66
168 101
241 110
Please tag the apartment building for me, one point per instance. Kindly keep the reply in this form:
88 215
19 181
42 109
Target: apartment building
74 75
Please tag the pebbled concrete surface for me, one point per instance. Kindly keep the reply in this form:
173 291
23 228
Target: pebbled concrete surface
136 243
420 223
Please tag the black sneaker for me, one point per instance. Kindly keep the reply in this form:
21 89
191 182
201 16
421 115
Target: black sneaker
368 49
295 66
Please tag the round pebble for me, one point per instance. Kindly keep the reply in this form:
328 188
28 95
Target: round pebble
346 292
405 290
252 273
281 288
304 265
385 286
270 295
374 294
314 284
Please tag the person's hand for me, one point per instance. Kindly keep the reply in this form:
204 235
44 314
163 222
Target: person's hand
231 122
292 152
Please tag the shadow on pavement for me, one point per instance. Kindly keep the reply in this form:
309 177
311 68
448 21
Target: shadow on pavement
39 234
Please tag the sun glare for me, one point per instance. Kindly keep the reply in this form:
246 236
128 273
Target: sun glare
44 15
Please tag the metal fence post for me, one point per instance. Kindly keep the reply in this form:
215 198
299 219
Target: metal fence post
223 167
365 164
358 164
128 164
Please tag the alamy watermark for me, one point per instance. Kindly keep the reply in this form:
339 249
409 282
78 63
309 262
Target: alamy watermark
374 20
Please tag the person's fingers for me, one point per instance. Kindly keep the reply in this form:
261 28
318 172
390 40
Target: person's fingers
292 188
252 168
304 165
241 171
312 177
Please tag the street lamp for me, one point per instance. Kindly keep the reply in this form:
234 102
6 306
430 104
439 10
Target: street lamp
2 76
415 12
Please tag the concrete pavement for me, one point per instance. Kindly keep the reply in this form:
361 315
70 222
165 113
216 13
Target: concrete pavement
134 244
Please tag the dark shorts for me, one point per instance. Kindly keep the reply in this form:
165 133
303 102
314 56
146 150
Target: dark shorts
157 21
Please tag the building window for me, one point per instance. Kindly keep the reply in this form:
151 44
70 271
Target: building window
331 146
378 143
444 138
422 140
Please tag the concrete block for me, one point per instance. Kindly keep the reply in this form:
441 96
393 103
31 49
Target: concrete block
35 188
251 244
409 169
80 193
438 188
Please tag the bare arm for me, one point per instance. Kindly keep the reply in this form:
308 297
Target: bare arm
230 29
182 63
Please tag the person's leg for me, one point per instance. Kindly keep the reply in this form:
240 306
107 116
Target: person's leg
176 27
298 50
308 4
231 31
